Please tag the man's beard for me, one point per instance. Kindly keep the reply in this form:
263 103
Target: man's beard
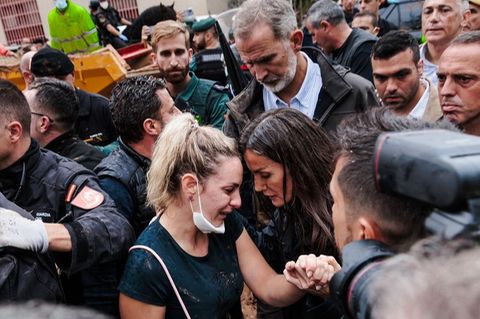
201 45
404 99
177 77
281 84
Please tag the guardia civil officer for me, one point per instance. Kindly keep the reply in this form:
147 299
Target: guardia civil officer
208 62
171 53
80 225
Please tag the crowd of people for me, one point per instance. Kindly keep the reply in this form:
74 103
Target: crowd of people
164 199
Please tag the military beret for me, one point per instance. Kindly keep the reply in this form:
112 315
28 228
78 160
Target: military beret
477 2
203 25
51 62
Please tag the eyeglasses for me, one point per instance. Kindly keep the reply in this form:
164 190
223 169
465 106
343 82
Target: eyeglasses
41 114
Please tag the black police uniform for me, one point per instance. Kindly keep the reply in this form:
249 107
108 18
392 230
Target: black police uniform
102 19
94 124
26 275
55 189
208 63
70 146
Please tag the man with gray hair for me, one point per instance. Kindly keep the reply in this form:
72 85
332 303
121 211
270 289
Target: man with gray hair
459 82
349 48
269 42
442 21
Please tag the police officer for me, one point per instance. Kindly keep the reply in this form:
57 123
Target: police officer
76 220
38 279
208 61
56 106
204 98
94 124
108 32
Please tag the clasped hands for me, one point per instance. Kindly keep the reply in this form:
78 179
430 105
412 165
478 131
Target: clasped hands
312 273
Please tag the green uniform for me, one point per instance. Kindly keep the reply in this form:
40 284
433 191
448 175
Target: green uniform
207 100
73 30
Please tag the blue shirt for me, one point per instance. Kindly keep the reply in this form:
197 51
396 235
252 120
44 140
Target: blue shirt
307 97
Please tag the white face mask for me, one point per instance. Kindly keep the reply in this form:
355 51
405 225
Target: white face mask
201 222
61 4
104 5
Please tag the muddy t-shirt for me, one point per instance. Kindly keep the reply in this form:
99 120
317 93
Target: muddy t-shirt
208 285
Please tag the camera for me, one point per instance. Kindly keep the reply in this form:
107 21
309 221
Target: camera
437 167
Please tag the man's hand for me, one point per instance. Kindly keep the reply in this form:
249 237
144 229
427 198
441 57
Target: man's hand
17 231
312 273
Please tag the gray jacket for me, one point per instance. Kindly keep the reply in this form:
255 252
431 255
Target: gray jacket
343 93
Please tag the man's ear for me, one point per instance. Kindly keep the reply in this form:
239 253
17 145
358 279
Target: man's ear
296 40
153 57
152 127
466 16
375 31
45 124
15 131
420 67
190 54
325 25
369 229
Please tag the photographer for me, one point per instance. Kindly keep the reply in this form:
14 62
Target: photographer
384 223
436 279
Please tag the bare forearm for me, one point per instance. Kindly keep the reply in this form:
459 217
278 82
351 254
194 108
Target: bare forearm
59 239
112 30
280 293
125 22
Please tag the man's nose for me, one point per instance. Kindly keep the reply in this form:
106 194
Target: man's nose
447 88
259 72
391 85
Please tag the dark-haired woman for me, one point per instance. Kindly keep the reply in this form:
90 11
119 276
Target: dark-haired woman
290 158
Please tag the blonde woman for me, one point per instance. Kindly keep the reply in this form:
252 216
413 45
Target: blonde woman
193 184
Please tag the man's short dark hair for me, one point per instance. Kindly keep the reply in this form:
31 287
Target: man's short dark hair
133 101
373 17
14 106
393 43
400 219
58 100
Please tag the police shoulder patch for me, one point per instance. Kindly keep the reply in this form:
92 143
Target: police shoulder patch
88 198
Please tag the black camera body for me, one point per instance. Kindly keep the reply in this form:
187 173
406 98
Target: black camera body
437 167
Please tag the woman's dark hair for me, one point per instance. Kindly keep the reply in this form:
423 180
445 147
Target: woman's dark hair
288 137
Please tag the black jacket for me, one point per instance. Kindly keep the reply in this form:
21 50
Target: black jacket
94 124
25 275
70 146
129 168
39 182
343 93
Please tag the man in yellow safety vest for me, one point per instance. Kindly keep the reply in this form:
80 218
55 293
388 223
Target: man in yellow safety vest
72 29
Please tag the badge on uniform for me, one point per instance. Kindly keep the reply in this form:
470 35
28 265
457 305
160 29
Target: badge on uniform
88 198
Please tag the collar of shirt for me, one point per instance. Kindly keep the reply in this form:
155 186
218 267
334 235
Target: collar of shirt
421 106
306 99
429 69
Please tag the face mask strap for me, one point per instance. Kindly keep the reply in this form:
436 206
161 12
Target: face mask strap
198 198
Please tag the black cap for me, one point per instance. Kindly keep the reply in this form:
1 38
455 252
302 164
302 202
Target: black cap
94 4
51 62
